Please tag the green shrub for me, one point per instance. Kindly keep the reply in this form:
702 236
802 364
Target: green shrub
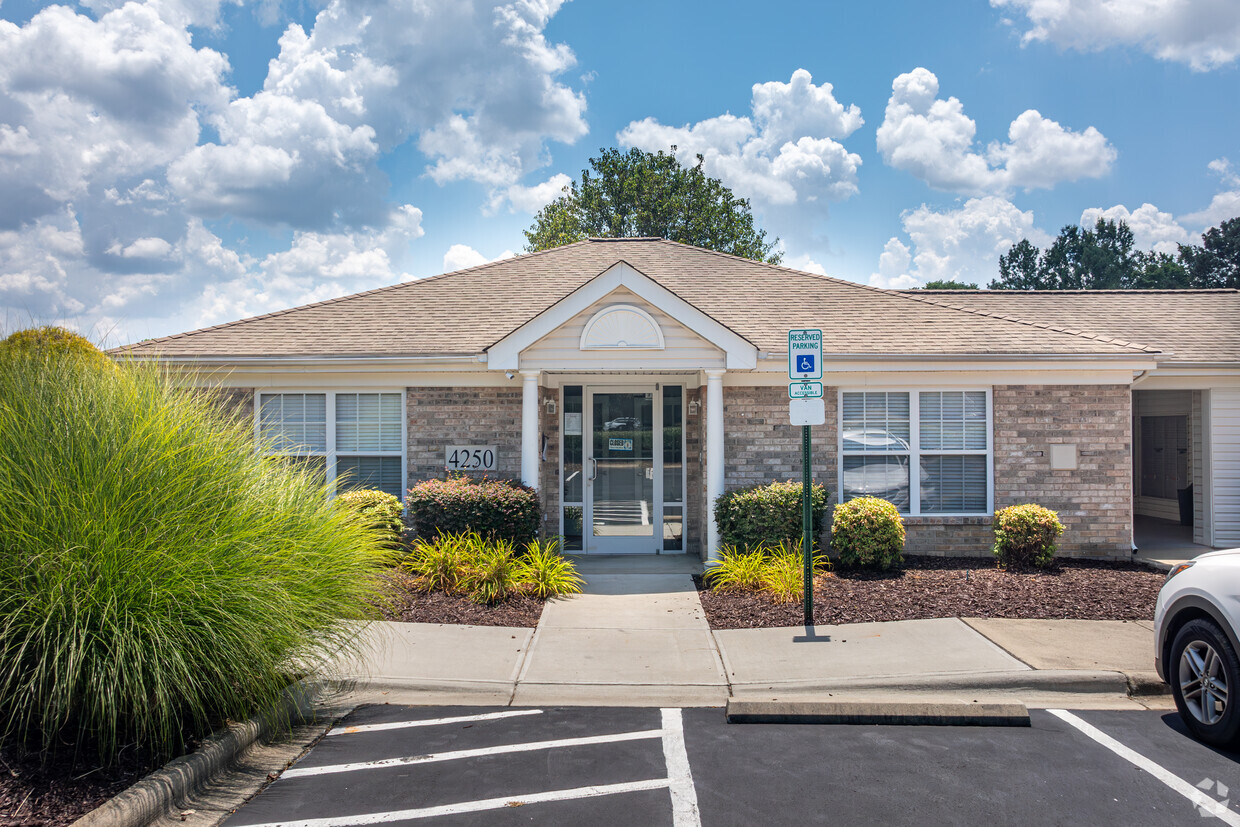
498 509
767 515
545 573
736 570
377 509
157 574
868 533
52 342
1025 536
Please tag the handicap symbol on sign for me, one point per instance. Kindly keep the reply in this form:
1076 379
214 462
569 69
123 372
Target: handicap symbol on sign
805 364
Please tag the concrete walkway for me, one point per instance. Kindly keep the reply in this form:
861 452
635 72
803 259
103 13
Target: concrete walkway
638 637
630 638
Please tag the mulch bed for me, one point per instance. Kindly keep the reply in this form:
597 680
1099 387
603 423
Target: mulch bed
931 587
59 793
408 604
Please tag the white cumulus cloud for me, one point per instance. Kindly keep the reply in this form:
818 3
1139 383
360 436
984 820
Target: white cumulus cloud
1205 34
1152 229
962 244
934 140
787 152
461 256
1224 205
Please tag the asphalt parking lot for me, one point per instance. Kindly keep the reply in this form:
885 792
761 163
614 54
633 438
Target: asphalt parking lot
470 765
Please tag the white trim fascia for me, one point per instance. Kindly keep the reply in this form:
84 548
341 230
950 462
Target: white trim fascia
506 353
322 362
866 363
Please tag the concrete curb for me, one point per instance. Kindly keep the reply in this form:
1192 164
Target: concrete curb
1146 684
741 711
1040 680
156 794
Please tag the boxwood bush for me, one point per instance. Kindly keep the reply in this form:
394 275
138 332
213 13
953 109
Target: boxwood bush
1025 536
494 509
377 509
763 516
158 575
868 533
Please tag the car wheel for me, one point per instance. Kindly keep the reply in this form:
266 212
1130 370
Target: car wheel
1204 670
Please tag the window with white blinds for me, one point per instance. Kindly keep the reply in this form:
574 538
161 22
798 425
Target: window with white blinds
357 439
928 452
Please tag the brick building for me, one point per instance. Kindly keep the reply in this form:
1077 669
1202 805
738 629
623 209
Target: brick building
632 381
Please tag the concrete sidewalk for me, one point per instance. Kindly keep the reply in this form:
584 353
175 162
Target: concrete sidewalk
641 639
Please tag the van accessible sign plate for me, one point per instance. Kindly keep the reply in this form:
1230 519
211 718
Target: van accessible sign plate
804 354
804 390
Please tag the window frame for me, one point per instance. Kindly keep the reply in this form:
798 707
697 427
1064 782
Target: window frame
916 452
331 453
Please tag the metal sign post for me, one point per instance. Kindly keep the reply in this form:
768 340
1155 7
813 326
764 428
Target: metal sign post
805 408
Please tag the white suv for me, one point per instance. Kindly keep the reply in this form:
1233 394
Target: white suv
1195 624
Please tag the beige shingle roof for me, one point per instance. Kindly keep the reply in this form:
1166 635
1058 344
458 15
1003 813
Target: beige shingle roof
1191 326
468 311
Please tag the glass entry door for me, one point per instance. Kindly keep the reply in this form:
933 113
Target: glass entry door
623 510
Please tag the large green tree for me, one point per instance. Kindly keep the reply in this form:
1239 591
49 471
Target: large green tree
1102 258
651 194
1216 263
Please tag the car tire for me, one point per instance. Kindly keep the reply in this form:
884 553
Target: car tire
1203 670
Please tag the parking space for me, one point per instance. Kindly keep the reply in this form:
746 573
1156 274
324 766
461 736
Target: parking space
395 765
470 765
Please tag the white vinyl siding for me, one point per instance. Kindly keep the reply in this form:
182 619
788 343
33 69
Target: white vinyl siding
1224 417
928 452
357 439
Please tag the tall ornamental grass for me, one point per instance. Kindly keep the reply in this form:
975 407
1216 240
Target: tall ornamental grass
157 574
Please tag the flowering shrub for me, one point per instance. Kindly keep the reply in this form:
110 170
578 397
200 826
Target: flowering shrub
868 532
378 510
767 515
495 509
1025 536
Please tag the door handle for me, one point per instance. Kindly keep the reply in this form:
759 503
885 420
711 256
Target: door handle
593 469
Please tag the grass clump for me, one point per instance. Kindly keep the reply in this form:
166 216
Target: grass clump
491 570
868 532
545 572
777 572
1025 536
158 575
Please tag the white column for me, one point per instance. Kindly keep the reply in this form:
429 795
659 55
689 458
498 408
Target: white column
529 428
714 457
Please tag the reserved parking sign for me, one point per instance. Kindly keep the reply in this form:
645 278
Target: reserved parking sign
805 354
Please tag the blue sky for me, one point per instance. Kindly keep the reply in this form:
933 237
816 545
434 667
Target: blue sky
178 163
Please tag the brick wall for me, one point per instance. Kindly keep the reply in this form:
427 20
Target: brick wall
465 416
1094 501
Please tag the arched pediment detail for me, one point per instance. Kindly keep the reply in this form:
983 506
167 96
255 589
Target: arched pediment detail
621 327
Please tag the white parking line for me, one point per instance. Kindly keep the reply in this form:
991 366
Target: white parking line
300 772
1196 796
489 716
474 806
679 777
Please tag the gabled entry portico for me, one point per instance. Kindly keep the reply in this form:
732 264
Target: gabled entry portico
623 352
